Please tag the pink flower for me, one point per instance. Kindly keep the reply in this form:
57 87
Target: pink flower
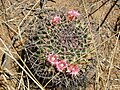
55 19
73 69
61 65
52 58
72 14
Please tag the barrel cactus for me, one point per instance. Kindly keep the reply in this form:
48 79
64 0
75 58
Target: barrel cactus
60 36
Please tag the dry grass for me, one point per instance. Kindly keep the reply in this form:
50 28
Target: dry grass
102 18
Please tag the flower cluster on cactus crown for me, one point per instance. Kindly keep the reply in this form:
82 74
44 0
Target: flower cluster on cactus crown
71 15
62 65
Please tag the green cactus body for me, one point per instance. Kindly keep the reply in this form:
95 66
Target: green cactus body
67 39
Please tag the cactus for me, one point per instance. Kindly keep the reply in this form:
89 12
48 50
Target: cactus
67 38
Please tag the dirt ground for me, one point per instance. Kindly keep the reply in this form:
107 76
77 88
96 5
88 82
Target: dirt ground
95 12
